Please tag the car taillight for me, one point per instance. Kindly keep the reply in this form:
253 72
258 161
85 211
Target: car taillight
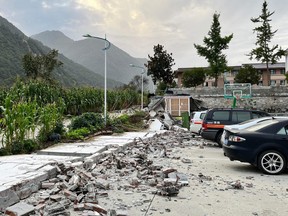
204 126
234 138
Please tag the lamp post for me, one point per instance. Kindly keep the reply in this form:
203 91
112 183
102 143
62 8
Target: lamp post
143 70
107 46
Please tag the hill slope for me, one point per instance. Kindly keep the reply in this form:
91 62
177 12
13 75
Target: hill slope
14 45
89 53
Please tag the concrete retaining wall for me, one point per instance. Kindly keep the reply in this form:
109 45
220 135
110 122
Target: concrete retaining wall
272 99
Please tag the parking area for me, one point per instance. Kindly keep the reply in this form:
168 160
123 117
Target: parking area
131 183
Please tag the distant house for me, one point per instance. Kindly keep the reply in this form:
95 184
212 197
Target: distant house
277 75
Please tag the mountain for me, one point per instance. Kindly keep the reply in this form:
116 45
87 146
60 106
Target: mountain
14 45
89 53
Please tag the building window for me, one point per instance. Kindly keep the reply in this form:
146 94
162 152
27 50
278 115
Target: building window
282 82
273 82
282 71
272 71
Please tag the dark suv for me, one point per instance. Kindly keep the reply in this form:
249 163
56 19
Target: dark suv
215 120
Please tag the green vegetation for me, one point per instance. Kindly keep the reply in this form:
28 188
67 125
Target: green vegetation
264 35
247 74
212 50
160 66
194 77
41 66
36 106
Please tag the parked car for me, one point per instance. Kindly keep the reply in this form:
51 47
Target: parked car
215 120
196 121
246 124
264 145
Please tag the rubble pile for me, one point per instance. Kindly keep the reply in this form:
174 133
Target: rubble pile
79 186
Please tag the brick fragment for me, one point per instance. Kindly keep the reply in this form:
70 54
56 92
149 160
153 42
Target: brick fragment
95 207
20 209
70 195
47 185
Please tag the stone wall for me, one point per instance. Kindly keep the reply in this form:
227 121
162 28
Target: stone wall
272 99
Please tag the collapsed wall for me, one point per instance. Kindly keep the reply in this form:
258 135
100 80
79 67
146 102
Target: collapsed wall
272 99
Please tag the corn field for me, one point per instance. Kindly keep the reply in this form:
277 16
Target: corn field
33 105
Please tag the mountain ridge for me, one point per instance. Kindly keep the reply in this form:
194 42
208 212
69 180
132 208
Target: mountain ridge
14 44
89 53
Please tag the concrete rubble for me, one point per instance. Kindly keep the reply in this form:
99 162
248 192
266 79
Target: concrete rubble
80 184
79 187
91 186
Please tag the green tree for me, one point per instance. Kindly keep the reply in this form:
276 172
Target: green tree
41 66
136 83
247 74
160 66
264 35
162 87
212 50
194 77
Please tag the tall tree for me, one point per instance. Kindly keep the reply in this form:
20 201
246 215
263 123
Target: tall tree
160 66
136 83
194 77
41 66
247 74
264 35
214 44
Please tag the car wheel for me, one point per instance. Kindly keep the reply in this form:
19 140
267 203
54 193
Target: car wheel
272 162
218 139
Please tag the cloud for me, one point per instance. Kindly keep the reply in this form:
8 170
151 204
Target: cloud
137 25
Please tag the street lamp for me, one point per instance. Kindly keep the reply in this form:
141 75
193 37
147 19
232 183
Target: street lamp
107 46
143 70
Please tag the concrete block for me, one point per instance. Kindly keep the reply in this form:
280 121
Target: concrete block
20 209
8 197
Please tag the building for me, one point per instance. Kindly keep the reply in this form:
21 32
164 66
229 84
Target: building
277 75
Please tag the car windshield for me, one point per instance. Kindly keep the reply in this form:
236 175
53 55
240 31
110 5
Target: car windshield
261 125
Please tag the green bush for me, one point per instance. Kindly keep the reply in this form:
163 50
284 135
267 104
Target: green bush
30 146
4 151
78 133
24 147
59 128
93 121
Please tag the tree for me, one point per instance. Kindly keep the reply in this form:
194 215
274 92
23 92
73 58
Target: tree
162 87
136 83
160 66
212 51
41 66
247 74
194 77
264 35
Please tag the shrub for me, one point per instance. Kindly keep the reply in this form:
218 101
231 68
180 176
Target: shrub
93 121
24 147
78 133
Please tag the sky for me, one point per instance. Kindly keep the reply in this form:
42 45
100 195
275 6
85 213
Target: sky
136 26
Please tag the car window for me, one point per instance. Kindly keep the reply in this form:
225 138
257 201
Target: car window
259 114
240 116
261 125
247 121
220 115
283 131
192 115
202 115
